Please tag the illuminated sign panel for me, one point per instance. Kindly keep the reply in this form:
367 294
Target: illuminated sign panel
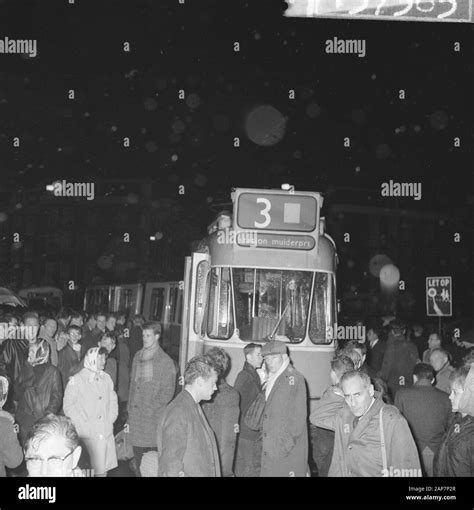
282 241
277 212
403 10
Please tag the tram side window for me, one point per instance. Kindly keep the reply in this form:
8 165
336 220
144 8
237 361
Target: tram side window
156 307
172 303
179 307
125 300
202 283
322 313
220 318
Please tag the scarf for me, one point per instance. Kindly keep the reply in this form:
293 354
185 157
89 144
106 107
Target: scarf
90 362
38 353
272 379
145 364
3 390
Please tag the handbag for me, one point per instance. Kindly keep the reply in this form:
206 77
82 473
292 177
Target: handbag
254 416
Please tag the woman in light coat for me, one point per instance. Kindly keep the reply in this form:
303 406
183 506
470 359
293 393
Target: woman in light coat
91 403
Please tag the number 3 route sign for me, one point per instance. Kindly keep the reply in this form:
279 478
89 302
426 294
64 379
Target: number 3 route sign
439 296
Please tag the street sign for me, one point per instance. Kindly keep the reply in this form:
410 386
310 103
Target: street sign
404 10
439 296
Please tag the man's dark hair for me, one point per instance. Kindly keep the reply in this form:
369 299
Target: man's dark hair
111 316
398 327
376 327
111 335
219 359
103 350
76 315
424 371
73 327
249 348
52 426
90 316
199 366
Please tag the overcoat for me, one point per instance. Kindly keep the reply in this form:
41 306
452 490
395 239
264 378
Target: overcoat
147 398
186 442
91 403
358 451
285 427
222 413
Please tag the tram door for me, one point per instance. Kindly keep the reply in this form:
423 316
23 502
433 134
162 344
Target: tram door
196 284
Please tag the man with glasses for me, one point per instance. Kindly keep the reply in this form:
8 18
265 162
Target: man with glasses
52 449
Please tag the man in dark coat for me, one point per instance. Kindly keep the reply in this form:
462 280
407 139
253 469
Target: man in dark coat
285 426
375 347
91 334
420 339
222 411
186 442
42 389
249 385
69 358
399 359
427 411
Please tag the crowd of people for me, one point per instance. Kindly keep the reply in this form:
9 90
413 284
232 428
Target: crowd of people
400 403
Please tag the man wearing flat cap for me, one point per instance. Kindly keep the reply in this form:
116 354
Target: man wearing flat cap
284 429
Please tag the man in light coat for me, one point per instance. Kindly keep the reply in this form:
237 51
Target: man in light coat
361 446
152 386
284 428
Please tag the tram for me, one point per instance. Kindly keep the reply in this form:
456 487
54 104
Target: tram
265 271
156 301
48 299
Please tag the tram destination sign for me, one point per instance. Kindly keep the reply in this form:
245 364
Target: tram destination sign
277 212
282 241
403 10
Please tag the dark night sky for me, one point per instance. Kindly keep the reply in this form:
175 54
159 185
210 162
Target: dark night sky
190 47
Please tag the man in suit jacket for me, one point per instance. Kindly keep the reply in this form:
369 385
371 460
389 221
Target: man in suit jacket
248 384
285 417
186 443
427 411
375 348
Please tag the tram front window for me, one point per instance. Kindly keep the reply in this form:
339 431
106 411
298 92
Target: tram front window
263 296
